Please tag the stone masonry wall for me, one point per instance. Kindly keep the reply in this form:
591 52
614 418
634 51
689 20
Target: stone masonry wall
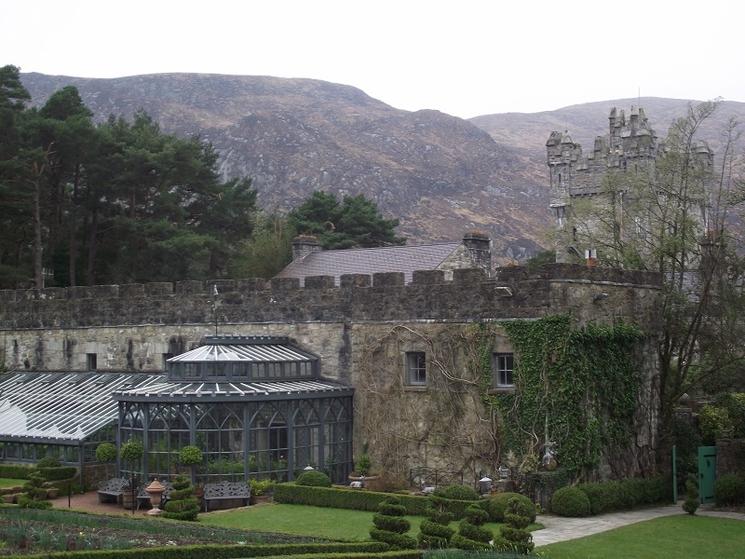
361 331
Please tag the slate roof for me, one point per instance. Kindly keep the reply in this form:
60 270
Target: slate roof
404 259
61 407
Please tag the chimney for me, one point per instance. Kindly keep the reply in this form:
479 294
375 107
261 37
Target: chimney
479 247
303 245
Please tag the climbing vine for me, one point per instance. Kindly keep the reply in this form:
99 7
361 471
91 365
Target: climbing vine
576 386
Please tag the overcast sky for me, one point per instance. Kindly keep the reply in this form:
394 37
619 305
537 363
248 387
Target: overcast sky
464 58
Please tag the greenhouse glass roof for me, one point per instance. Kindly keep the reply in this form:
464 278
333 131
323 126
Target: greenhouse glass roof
244 348
61 407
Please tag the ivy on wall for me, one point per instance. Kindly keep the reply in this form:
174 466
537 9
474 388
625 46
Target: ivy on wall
579 384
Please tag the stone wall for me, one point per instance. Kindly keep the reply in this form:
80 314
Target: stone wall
730 457
361 331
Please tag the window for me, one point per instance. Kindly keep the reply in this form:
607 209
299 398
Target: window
502 367
416 368
91 361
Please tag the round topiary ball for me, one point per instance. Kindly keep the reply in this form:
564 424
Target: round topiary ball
570 501
497 505
313 478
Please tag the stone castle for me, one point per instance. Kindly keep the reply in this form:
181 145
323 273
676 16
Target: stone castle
631 147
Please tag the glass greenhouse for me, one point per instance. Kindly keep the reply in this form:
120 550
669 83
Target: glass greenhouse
256 407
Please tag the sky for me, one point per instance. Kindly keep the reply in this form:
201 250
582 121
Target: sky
465 58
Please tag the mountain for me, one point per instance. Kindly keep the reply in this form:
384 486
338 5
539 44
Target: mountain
440 175
528 132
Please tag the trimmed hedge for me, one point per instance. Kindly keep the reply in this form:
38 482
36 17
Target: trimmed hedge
570 501
314 478
58 473
357 499
729 490
624 494
16 471
217 551
400 554
458 492
496 506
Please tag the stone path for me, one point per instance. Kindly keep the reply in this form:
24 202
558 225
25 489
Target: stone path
559 529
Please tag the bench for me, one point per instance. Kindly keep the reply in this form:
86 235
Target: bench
225 491
112 488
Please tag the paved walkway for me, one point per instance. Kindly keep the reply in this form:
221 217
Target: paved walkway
88 502
559 529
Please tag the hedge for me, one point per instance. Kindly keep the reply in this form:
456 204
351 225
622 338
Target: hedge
358 499
624 494
400 554
58 473
217 551
16 471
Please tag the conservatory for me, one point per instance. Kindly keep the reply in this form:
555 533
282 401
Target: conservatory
60 414
256 406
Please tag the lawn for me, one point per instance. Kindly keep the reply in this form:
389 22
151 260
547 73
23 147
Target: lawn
323 522
672 537
10 482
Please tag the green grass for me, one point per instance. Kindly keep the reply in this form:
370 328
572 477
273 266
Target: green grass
10 482
673 537
303 520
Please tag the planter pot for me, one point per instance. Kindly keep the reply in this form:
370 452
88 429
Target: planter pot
128 500
362 479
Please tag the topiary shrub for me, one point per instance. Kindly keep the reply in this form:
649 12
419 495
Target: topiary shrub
515 537
182 504
34 493
729 490
391 526
570 501
313 478
461 492
105 453
471 536
48 462
690 505
497 505
434 533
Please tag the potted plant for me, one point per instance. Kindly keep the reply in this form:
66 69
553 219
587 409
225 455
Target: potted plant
131 453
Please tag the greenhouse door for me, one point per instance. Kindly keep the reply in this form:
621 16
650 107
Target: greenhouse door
707 467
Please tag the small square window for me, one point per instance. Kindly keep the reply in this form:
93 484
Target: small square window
416 368
502 369
91 361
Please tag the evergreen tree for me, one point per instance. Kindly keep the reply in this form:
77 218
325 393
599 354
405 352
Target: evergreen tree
391 526
471 535
182 504
515 535
355 222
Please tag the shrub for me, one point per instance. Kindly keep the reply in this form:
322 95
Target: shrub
190 455
363 464
15 471
260 486
390 526
624 494
570 501
182 504
132 451
59 473
715 423
34 493
358 500
314 478
48 462
515 535
729 490
497 505
690 505
470 534
434 533
460 492
105 453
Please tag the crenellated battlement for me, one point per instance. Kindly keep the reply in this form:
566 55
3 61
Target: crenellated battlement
470 295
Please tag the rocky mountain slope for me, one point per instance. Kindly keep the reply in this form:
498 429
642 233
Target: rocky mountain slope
438 174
